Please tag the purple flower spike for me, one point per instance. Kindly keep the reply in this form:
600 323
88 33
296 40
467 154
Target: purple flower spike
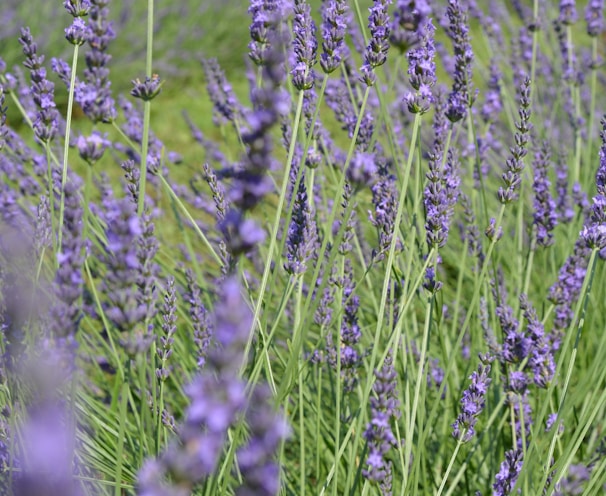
462 95
302 234
268 428
594 231
508 474
512 177
472 404
422 71
77 32
545 215
226 107
384 408
148 89
333 33
408 17
305 46
594 16
568 12
91 148
378 45
77 8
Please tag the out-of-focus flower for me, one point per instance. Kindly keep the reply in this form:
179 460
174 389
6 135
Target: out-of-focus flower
147 90
508 473
91 148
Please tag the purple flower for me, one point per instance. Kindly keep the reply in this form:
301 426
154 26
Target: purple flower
77 32
302 234
594 16
226 107
305 46
123 230
350 331
77 8
199 317
148 89
375 54
69 280
515 163
408 17
384 407
256 460
440 195
46 120
91 148
169 327
333 34
461 96
492 104
594 231
93 94
473 401
266 14
422 70
568 12
508 473
385 201
545 215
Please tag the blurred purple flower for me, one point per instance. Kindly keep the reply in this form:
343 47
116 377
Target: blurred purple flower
408 18
384 407
302 234
545 215
91 148
594 16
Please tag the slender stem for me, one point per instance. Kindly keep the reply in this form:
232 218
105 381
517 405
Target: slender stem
450 464
146 108
68 122
190 218
276 223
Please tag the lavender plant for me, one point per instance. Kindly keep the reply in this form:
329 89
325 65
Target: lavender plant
266 296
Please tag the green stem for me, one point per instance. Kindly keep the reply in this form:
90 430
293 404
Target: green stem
276 223
183 208
68 122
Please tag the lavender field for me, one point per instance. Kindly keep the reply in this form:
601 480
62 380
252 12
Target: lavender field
302 247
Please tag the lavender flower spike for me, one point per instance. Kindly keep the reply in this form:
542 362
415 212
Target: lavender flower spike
422 71
378 45
333 34
508 474
384 407
302 234
305 46
461 96
545 215
594 232
515 164
594 16
472 404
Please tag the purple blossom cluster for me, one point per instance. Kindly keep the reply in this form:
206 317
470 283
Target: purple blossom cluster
384 408
473 402
184 341
375 54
